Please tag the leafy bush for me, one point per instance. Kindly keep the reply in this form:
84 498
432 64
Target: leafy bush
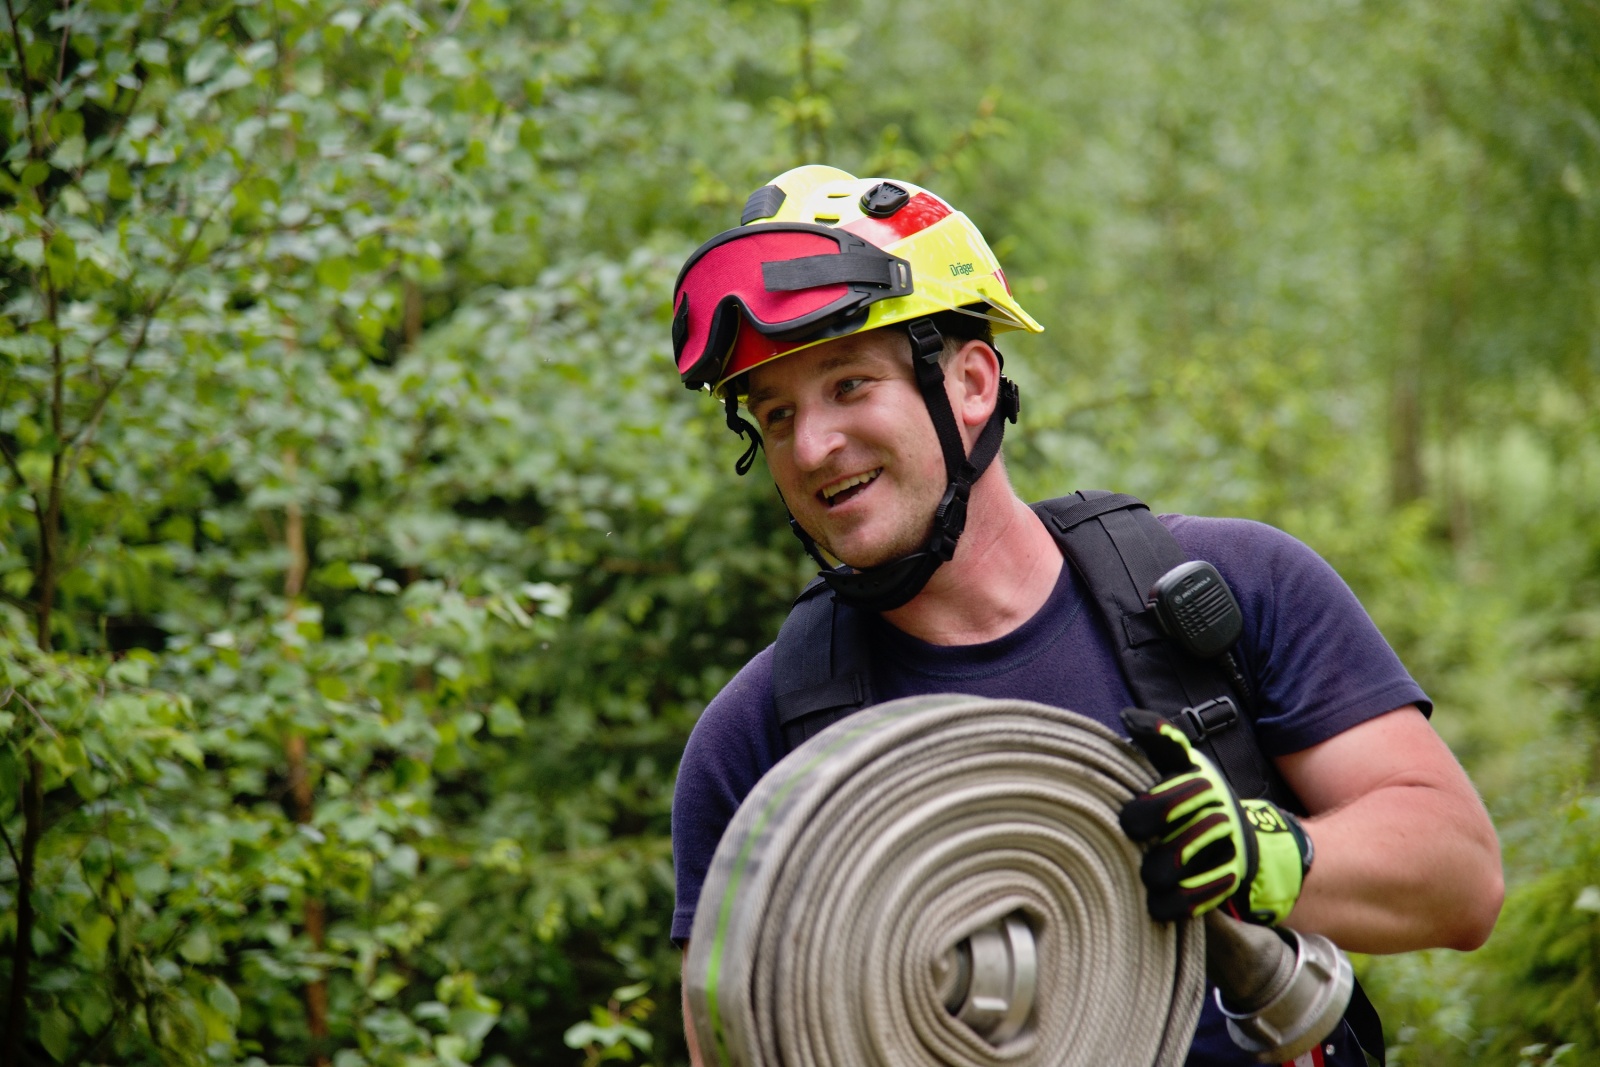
363 569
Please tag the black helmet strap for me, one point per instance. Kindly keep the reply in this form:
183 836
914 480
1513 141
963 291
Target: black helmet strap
890 585
744 428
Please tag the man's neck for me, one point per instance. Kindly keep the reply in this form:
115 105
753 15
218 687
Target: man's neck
1004 569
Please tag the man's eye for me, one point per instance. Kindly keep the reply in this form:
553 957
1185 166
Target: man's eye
773 416
850 385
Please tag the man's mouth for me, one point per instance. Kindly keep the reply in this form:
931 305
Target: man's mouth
845 488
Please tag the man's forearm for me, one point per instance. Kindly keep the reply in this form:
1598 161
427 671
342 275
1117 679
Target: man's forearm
688 1023
1406 856
1379 886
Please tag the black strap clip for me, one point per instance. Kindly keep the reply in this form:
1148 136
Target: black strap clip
1212 717
949 519
927 343
1010 401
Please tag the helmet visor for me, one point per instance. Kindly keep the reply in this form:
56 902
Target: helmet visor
788 282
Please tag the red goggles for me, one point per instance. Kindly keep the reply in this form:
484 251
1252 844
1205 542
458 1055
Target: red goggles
789 283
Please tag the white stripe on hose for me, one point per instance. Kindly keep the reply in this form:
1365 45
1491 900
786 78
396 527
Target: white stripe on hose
872 849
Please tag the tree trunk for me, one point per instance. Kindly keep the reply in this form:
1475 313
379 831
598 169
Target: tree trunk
316 991
294 746
1406 481
46 575
22 952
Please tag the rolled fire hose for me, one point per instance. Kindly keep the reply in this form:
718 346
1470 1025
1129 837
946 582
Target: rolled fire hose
942 880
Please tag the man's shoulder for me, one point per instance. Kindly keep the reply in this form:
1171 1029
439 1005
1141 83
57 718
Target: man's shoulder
1218 539
1207 535
1318 660
1251 555
1256 557
731 747
739 719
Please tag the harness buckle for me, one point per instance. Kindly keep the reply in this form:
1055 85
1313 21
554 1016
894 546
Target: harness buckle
1212 717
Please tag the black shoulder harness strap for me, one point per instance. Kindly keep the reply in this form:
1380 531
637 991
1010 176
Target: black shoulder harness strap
820 672
1119 549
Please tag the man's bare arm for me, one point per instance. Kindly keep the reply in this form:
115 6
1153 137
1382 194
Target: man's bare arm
688 1026
1406 857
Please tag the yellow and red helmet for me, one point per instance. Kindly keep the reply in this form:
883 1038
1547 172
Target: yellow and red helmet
820 254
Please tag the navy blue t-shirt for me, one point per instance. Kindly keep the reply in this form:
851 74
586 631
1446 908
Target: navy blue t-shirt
1316 661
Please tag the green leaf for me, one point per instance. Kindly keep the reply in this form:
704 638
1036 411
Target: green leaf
223 1000
55 1034
631 992
186 748
386 986
30 250
204 61
133 670
69 153
152 878
505 720
196 947
94 935
61 256
92 1009
404 860
119 182
153 52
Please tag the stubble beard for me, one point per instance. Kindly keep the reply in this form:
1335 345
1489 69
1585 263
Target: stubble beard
908 535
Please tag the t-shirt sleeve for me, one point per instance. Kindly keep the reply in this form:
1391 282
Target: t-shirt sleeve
1316 658
731 747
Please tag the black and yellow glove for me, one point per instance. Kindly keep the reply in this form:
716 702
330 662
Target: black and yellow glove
1206 848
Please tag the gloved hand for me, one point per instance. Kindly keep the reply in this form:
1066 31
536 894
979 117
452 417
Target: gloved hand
1206 847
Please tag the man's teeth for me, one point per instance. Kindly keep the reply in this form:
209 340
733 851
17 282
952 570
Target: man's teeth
849 483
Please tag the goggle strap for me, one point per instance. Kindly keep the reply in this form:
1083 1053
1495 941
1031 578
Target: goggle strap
844 268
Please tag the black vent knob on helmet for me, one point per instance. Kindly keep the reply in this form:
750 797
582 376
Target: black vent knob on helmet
884 199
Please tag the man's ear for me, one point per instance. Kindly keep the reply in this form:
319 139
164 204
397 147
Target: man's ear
973 379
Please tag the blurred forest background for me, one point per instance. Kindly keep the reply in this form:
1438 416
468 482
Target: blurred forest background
363 566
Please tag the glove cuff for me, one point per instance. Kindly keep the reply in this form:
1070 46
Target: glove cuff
1284 857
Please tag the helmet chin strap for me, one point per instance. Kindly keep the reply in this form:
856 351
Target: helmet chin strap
890 585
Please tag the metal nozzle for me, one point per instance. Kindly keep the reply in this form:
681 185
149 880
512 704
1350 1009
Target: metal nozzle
988 980
1282 991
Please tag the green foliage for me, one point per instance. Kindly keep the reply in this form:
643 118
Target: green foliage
333 416
363 568
1544 967
611 1032
120 922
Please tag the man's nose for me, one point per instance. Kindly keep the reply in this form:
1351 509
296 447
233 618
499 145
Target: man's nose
816 437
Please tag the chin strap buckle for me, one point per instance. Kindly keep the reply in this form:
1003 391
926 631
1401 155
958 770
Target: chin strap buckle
949 519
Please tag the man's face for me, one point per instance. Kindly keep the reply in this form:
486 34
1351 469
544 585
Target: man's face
851 446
